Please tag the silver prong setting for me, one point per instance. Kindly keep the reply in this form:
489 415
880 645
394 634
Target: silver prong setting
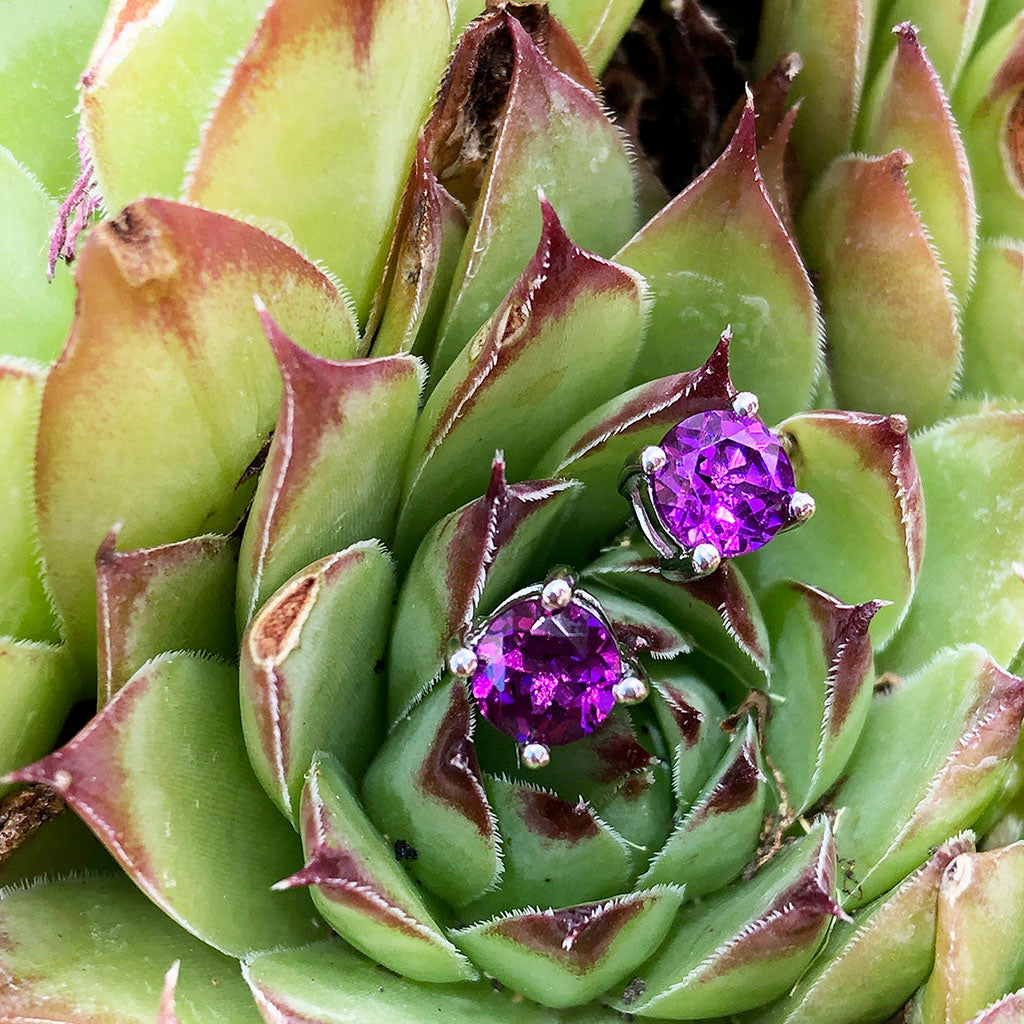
463 662
706 558
653 459
630 690
746 404
801 507
557 594
535 755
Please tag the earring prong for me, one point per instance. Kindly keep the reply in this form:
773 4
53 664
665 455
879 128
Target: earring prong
630 690
801 507
535 755
463 662
745 404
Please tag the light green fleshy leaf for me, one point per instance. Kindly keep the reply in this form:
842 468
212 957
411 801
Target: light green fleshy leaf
970 590
333 471
25 609
821 684
167 389
328 984
994 323
718 835
568 956
860 470
948 734
564 340
160 775
744 945
315 119
997 14
34 313
719 254
981 908
309 670
547 121
92 948
361 890
872 964
39 684
425 787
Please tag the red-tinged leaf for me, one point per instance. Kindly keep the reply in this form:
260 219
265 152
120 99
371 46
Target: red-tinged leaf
563 341
361 889
93 950
596 25
746 944
769 95
719 254
166 390
864 479
1008 1010
161 777
948 734
908 109
781 174
333 472
568 956
594 450
833 40
425 787
175 597
528 136
313 648
314 119
822 678
900 352
471 560
418 273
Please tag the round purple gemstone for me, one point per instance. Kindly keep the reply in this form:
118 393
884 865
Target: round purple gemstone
727 482
543 676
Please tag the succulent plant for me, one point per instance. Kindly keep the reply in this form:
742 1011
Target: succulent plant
273 448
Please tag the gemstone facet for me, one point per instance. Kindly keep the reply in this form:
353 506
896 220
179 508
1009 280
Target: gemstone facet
546 676
727 481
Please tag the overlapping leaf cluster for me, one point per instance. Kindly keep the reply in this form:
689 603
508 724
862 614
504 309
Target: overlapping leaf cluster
267 492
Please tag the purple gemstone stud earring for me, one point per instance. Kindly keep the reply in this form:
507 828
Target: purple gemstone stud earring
546 668
718 484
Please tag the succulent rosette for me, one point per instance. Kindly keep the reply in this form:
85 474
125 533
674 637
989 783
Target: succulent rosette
285 440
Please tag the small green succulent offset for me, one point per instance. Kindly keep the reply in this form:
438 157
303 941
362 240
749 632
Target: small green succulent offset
380 303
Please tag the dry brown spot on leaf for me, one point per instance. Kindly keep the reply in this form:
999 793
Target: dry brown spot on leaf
22 811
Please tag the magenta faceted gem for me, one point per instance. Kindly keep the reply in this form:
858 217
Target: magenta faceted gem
727 482
546 677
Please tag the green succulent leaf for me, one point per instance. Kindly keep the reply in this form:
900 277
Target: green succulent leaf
25 609
596 25
948 733
900 352
34 313
546 121
471 560
93 948
425 787
907 109
313 648
981 907
718 835
168 598
161 777
314 74
746 944
568 956
360 889
873 963
327 983
994 323
822 680
564 340
165 368
594 450
333 470
425 247
39 684
719 254
833 40
862 474
555 852
970 589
